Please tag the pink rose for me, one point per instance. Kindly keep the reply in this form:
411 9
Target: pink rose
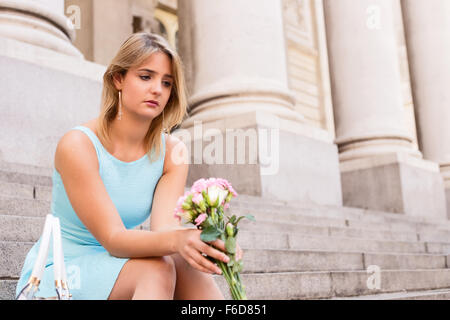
200 219
199 186
197 198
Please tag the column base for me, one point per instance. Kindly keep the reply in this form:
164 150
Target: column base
280 159
44 94
397 183
34 23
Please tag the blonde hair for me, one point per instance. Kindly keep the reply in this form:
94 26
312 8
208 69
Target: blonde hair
133 52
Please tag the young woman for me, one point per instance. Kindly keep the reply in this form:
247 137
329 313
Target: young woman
114 171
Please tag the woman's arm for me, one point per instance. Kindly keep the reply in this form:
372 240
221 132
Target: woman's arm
170 186
76 161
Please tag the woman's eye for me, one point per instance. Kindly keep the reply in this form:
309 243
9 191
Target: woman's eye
166 83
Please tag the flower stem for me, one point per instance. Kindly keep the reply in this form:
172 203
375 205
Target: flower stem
235 286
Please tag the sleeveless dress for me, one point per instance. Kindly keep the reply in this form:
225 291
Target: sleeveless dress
91 270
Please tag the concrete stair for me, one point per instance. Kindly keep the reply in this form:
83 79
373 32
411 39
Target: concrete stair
291 252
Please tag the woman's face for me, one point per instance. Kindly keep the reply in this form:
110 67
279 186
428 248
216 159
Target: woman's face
150 81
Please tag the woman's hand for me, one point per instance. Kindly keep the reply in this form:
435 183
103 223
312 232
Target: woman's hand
191 248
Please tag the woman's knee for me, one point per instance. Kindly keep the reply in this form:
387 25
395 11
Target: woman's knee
155 265
144 273
156 274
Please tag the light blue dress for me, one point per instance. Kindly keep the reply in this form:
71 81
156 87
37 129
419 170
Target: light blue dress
91 270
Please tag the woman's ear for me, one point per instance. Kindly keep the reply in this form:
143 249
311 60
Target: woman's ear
117 79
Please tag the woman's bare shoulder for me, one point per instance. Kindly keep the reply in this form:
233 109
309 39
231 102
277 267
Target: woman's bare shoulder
77 146
177 153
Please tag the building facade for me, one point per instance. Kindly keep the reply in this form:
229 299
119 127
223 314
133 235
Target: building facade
335 102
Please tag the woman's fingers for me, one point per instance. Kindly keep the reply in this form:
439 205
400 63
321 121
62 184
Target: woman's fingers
205 263
197 266
214 253
219 244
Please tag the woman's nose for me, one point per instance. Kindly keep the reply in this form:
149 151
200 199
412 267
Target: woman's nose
156 87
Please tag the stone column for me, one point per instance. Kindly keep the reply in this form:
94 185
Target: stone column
46 85
39 22
427 29
380 167
235 57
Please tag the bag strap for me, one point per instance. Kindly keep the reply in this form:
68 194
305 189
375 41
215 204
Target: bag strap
51 226
58 259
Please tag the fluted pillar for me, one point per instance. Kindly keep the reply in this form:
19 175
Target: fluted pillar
427 29
46 85
38 22
236 68
380 167
240 59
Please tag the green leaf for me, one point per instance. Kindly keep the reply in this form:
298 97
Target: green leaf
250 217
233 219
208 222
238 266
230 245
209 234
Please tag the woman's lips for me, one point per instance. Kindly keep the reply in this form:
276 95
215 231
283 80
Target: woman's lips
151 104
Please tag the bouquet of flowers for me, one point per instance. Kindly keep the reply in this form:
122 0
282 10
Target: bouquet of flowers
204 206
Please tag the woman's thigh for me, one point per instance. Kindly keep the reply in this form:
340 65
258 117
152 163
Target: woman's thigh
193 284
140 272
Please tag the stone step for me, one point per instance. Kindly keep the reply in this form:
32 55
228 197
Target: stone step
439 294
274 226
270 261
39 176
258 240
325 284
25 191
8 289
20 228
265 260
25 178
12 228
25 168
24 207
270 209
12 257
24 228
311 218
347 213
319 216
16 190
335 227
361 231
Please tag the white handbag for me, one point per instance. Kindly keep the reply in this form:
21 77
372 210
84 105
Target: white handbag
51 226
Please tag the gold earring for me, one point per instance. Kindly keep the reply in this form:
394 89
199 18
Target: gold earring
120 105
